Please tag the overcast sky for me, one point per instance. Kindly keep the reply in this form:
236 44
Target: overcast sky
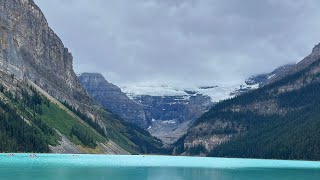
186 42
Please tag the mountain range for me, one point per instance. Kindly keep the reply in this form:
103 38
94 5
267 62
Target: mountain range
166 111
165 116
46 107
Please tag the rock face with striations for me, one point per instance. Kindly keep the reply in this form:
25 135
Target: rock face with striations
166 117
30 49
112 98
171 116
31 53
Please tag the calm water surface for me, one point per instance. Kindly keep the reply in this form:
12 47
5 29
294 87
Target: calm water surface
100 167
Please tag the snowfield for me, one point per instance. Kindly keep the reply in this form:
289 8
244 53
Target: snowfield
217 93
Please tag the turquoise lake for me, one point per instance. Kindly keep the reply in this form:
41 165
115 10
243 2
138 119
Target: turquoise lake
101 167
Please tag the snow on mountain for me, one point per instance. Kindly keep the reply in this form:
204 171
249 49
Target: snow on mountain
216 93
152 90
263 79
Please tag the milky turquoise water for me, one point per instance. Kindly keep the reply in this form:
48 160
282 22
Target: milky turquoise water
103 167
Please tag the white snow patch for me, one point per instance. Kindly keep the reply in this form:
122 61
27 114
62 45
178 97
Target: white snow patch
152 90
216 93
169 122
219 93
271 76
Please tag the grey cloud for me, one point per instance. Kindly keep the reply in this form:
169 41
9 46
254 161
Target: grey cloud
184 41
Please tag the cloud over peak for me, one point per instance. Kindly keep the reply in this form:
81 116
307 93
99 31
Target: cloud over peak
184 41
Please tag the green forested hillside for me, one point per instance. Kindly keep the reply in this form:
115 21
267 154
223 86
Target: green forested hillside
29 123
295 136
21 128
129 136
278 121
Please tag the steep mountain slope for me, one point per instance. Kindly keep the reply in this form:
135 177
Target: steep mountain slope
170 111
263 79
170 116
32 55
33 123
166 112
112 98
166 117
279 120
30 49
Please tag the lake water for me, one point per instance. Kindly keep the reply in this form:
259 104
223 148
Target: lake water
103 167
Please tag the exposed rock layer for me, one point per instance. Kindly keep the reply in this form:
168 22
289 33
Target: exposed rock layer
166 117
30 49
112 98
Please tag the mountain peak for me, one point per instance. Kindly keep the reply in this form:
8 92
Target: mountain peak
95 76
316 48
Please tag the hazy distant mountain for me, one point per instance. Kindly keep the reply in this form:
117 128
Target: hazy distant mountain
112 98
167 115
263 79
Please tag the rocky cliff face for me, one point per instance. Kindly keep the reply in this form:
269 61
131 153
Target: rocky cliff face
112 98
170 116
31 54
167 117
31 50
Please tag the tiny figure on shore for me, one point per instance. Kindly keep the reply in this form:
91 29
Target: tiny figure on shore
33 155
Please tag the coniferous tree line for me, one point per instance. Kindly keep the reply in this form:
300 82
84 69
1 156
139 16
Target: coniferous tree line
21 129
85 118
142 139
1 88
83 136
34 135
196 150
16 135
294 135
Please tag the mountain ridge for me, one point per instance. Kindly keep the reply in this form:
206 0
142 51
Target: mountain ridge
265 123
111 97
165 117
167 109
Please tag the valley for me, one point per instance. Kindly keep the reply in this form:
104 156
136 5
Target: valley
165 111
46 107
